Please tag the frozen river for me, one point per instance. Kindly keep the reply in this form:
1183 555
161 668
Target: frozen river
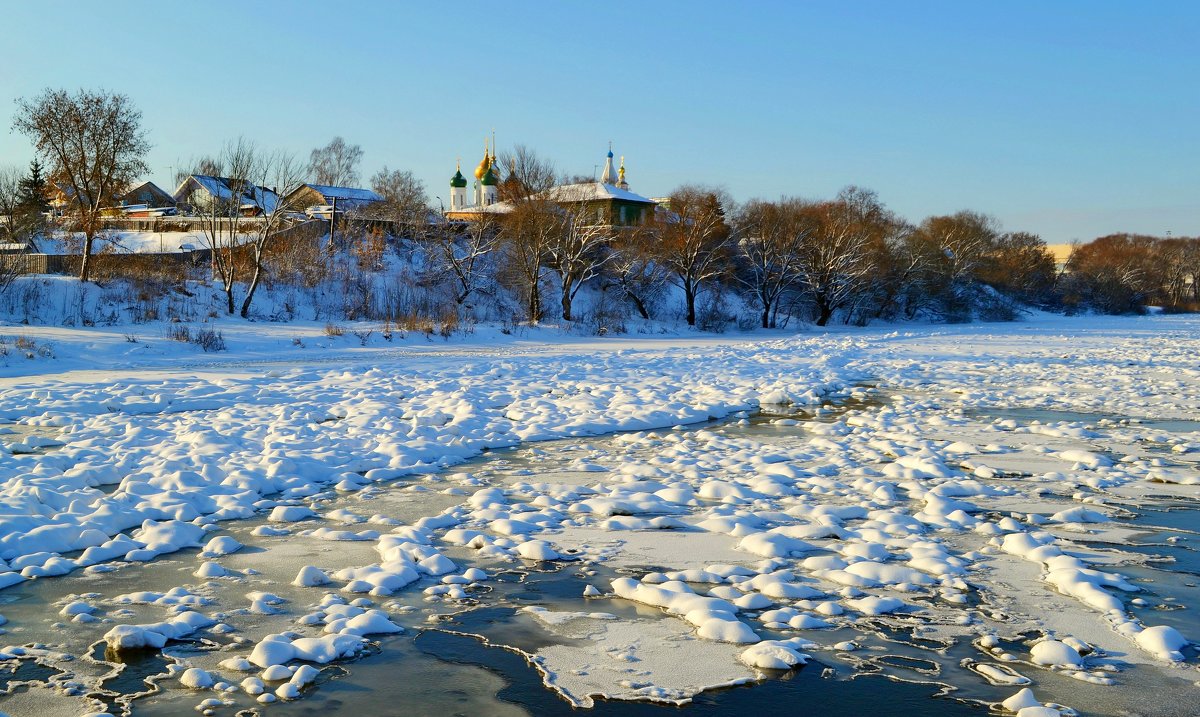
921 524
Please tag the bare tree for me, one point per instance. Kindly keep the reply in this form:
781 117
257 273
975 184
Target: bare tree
464 250
1115 274
335 164
769 238
527 232
957 247
10 198
281 170
526 174
903 275
835 259
1019 264
204 166
695 242
634 267
577 250
405 202
1187 255
242 214
964 239
95 146
221 213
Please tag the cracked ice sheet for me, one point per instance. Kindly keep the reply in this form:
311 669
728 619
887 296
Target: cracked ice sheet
672 550
46 702
646 659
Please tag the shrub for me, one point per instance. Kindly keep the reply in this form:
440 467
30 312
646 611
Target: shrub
207 339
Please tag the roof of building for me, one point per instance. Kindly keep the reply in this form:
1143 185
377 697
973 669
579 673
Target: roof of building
135 185
344 193
219 188
495 208
592 192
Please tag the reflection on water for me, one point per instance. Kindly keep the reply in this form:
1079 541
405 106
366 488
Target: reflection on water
804 686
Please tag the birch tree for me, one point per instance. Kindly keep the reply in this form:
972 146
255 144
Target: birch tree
220 213
279 170
335 164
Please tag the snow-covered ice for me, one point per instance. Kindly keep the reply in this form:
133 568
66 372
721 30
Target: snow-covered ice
983 489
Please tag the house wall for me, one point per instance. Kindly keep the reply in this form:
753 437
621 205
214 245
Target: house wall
147 194
195 195
304 197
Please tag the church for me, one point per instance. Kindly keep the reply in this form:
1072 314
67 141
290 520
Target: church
609 197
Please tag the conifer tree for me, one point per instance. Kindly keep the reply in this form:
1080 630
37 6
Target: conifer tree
31 194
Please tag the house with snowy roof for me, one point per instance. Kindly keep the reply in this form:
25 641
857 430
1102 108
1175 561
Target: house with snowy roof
322 199
141 199
147 194
199 192
609 198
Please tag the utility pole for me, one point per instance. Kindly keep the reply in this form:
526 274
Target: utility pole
332 224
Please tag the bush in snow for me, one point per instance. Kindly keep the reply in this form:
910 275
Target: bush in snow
207 339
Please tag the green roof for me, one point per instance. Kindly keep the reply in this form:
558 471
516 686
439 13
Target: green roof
458 180
489 178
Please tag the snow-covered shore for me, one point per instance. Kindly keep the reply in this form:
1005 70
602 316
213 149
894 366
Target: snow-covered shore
912 506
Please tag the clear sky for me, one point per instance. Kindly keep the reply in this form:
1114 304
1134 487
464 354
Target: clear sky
1069 119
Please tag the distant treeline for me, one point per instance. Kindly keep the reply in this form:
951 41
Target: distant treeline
1124 273
699 257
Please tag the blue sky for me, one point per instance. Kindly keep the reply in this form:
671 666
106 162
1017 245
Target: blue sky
1069 119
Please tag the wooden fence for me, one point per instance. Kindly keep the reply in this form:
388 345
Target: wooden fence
119 265
34 263
107 265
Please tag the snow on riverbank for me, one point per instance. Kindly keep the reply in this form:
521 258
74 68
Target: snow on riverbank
902 509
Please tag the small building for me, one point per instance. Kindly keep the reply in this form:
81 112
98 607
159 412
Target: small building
147 194
308 195
320 199
198 192
609 203
141 200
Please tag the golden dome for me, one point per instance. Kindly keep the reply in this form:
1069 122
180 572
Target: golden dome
485 164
